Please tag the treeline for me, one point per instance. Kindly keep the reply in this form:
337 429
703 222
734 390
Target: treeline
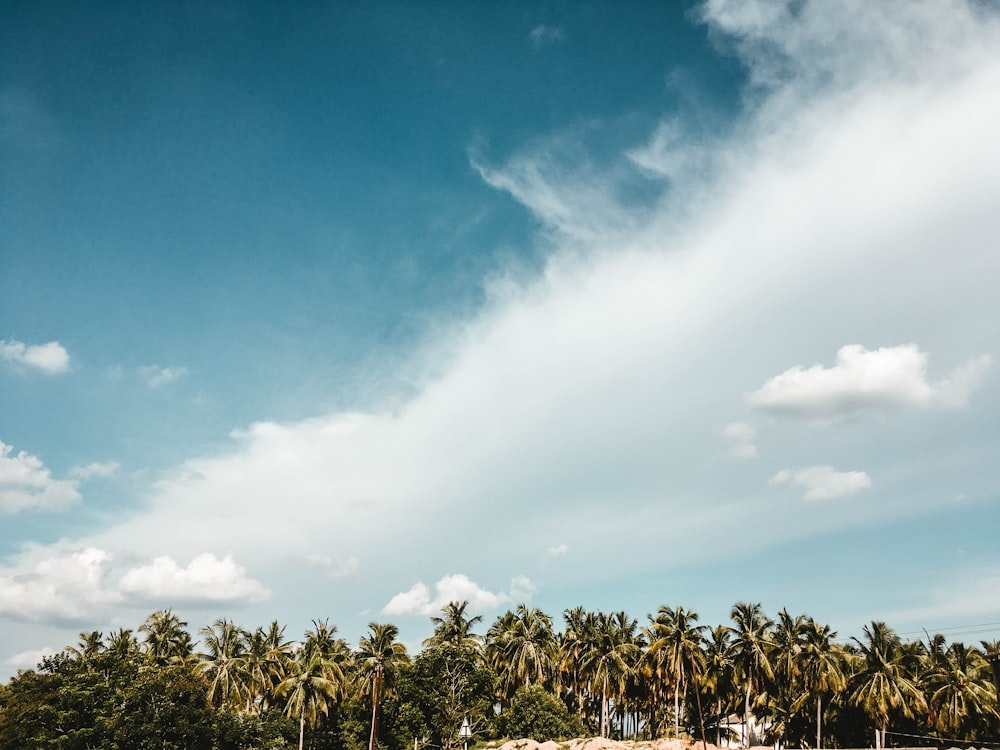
754 680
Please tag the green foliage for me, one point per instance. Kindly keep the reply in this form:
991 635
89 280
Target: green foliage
444 685
537 714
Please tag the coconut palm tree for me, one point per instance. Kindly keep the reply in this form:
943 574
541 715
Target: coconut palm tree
454 627
675 645
720 676
167 641
521 647
751 645
882 686
316 677
267 654
611 653
224 663
573 641
90 646
379 653
959 688
822 669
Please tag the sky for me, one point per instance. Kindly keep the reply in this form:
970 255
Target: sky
341 310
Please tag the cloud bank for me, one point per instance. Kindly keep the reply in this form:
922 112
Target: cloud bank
584 403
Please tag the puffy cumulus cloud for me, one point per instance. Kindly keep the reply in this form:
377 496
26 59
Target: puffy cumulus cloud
739 438
95 470
25 483
335 568
823 482
65 587
887 378
30 658
207 579
454 588
156 376
50 358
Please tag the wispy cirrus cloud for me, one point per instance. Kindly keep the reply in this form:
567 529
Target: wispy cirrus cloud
95 470
51 358
543 35
157 376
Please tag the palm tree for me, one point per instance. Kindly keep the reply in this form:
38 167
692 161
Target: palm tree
267 654
522 647
379 653
720 674
612 652
316 677
751 644
167 641
89 648
572 645
882 685
822 667
958 684
454 628
675 643
224 662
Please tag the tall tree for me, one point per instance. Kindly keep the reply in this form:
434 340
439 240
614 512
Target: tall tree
883 686
167 640
379 653
675 643
611 653
316 677
751 644
822 668
522 648
224 663
454 627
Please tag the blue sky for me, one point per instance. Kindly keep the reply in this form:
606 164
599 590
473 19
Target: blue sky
345 311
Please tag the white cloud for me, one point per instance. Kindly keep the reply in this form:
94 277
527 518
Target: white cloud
338 568
25 483
156 376
29 659
542 35
854 201
51 358
63 587
206 579
521 589
453 588
94 470
823 483
557 551
739 437
887 378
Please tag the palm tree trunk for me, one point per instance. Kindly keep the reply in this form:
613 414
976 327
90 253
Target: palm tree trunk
701 717
746 717
677 710
604 707
302 727
819 721
376 689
